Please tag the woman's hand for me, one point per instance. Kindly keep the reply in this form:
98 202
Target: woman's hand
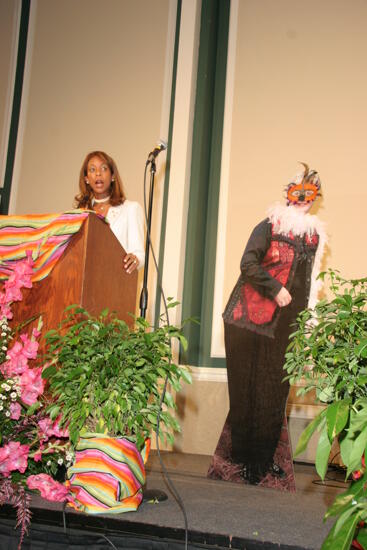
283 298
131 263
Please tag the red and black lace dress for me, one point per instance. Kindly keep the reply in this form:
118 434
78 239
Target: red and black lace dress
256 337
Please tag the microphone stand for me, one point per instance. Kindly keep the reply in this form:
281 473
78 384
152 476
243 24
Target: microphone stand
143 302
149 495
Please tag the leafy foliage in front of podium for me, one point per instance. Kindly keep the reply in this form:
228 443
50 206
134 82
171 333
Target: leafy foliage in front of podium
328 353
107 378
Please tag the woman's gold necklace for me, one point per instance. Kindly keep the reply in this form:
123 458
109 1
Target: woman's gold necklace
101 205
102 208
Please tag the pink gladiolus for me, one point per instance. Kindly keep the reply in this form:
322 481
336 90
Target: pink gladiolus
36 333
30 347
38 455
17 362
15 410
5 311
31 385
45 425
49 428
13 294
23 272
13 457
57 431
49 488
19 355
21 277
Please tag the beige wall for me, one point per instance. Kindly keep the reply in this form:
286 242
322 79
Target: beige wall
96 77
294 95
299 94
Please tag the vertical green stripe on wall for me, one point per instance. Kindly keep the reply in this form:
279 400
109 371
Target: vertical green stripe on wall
205 181
168 163
17 98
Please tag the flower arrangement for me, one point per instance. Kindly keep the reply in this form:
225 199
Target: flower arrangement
33 448
99 376
328 351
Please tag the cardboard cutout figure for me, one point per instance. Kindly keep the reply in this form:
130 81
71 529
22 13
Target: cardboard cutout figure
278 279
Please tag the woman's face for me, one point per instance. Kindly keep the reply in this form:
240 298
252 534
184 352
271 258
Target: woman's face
99 177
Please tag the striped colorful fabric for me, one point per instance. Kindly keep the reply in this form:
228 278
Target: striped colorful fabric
107 475
45 235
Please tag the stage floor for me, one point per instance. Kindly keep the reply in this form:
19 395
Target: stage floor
249 512
220 513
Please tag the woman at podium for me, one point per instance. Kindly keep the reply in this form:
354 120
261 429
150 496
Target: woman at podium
101 190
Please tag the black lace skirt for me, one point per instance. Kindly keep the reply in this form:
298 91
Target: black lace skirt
257 393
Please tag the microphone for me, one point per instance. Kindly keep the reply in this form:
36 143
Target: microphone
162 145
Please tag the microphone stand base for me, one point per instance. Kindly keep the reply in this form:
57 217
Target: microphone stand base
153 496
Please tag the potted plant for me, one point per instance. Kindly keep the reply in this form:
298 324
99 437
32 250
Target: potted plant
328 352
106 382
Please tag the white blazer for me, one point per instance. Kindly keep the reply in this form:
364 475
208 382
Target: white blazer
127 223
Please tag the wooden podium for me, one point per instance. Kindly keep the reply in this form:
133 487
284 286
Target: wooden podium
90 273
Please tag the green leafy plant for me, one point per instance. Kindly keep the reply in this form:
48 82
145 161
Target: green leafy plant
107 378
351 509
328 354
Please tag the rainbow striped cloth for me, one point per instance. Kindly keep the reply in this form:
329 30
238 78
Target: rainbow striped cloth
45 235
107 475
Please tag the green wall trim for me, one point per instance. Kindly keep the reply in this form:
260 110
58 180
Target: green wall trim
168 164
17 99
205 182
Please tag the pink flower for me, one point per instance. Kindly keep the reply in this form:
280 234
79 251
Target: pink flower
38 455
48 487
57 431
36 333
15 410
31 385
17 362
48 429
45 425
6 311
20 277
13 457
30 347
22 271
12 293
20 353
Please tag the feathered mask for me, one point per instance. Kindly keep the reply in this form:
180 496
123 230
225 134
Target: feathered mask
304 188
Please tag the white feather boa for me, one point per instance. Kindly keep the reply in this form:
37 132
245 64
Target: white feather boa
286 219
